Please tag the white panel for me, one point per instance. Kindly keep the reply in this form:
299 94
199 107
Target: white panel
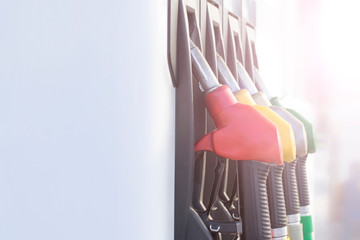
87 121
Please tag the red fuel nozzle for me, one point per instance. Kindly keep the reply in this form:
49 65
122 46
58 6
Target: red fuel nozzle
242 132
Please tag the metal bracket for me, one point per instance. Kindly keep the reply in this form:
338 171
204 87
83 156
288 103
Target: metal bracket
224 227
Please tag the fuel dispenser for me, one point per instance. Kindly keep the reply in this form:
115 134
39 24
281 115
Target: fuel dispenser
230 139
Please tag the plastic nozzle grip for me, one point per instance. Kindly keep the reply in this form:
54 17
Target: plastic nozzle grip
242 132
285 130
302 182
290 189
254 200
276 197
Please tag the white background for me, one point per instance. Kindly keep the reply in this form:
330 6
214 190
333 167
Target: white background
86 121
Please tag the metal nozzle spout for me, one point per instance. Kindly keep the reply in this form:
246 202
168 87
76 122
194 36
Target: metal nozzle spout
225 75
202 71
244 79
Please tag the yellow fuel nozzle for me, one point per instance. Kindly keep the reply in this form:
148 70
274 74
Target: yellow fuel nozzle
243 96
286 133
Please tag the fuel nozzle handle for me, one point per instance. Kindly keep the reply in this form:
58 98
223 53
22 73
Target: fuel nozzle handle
202 71
254 200
303 187
290 190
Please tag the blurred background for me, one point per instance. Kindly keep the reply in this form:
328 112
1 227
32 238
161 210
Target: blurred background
309 50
